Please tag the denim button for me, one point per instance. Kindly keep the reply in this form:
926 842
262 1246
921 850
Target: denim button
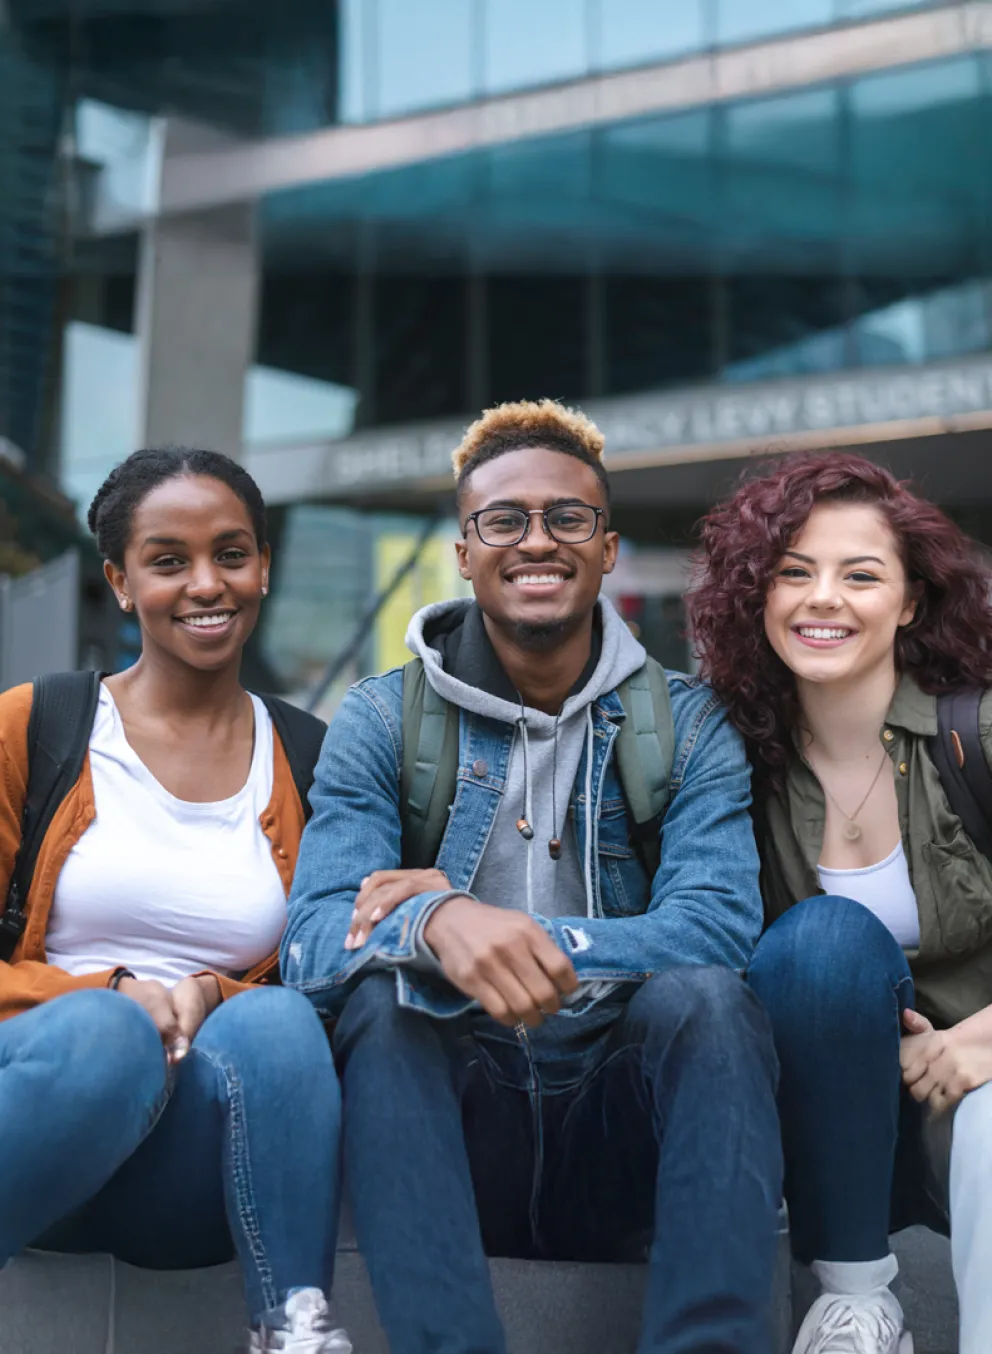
480 768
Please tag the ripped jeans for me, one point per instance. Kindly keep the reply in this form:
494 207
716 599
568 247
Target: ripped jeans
464 1139
236 1152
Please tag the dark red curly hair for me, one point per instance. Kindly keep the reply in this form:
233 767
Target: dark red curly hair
742 542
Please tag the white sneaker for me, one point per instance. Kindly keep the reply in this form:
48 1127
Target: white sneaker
862 1323
301 1326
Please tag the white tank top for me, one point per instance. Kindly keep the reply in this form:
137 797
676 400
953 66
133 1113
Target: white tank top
884 889
163 886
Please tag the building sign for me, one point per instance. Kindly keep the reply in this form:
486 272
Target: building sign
658 426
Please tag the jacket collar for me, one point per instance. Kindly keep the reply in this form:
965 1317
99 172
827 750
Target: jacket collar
912 709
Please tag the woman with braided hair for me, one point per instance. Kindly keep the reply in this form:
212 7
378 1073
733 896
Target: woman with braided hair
162 1097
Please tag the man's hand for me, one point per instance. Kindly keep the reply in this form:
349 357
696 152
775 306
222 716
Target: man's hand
382 892
942 1066
501 958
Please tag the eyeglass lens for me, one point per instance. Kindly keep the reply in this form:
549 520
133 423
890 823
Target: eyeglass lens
570 523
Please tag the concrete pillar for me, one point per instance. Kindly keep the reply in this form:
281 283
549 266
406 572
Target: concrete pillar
196 310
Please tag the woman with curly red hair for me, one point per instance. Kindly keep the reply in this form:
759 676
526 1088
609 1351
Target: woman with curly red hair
832 607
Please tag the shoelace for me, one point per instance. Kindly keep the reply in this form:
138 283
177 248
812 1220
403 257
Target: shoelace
850 1325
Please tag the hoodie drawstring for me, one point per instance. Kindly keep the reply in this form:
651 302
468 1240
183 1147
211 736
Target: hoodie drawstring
587 855
524 823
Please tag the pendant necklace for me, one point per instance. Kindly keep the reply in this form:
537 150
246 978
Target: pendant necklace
851 831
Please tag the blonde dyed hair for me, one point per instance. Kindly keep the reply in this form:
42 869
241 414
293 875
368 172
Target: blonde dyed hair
529 423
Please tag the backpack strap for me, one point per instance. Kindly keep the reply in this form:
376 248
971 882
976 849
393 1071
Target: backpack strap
645 750
430 767
302 737
957 752
63 707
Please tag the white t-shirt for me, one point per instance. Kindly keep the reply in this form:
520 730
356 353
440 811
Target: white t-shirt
163 886
884 889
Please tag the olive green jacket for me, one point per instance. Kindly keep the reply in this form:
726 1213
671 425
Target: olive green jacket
952 968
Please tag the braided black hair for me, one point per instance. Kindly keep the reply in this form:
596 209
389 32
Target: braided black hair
112 510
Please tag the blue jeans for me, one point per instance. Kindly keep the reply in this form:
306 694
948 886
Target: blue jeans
236 1152
834 982
459 1141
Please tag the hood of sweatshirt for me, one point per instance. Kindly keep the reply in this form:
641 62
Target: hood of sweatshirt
542 871
461 664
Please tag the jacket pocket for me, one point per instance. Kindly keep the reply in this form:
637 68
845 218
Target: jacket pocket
624 886
961 883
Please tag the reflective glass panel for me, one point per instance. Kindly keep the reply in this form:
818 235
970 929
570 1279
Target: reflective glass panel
635 32
747 20
533 42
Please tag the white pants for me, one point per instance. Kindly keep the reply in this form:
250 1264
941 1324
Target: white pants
971 1218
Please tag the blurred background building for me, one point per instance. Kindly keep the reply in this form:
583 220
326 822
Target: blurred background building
323 235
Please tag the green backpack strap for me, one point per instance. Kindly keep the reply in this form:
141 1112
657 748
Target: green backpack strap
645 749
430 767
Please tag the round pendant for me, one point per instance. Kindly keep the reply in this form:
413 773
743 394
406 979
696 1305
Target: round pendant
851 831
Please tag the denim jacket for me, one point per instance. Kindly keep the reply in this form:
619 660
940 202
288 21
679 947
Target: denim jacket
702 907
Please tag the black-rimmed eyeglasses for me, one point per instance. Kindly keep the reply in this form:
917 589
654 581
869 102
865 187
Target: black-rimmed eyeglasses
567 523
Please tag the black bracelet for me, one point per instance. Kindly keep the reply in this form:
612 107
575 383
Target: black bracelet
119 977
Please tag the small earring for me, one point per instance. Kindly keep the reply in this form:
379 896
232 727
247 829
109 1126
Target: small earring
126 604
265 589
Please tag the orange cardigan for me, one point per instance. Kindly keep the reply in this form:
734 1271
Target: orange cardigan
28 979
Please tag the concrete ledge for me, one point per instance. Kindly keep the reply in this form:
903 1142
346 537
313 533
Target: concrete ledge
92 1304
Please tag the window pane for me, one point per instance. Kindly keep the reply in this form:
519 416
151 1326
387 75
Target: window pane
425 54
746 20
534 42
420 342
659 332
636 32
536 337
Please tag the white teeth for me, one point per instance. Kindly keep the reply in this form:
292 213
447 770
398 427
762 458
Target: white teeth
822 632
538 580
207 622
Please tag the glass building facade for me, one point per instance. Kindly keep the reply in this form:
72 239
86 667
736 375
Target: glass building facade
707 237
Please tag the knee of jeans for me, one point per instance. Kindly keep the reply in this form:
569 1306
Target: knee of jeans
107 1033
971 1143
701 996
372 1010
274 1018
829 953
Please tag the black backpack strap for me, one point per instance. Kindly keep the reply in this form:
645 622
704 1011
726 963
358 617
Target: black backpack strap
958 755
302 736
63 707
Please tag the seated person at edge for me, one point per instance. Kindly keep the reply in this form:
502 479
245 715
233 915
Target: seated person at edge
516 1045
832 607
153 1104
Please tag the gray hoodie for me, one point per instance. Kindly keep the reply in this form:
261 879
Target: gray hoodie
544 759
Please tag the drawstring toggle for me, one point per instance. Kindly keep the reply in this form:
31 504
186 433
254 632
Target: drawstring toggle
554 847
525 829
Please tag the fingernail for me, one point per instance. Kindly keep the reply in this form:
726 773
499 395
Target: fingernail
354 915
178 1050
360 940
349 941
365 881
376 915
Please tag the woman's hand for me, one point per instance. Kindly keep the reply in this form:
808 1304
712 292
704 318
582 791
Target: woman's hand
179 1013
382 892
159 1002
194 998
942 1066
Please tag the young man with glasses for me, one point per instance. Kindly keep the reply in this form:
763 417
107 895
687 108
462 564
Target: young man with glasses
545 1044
